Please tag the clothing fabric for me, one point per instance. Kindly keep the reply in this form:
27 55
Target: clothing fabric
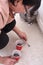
5 18
4 13
9 27
7 23
4 39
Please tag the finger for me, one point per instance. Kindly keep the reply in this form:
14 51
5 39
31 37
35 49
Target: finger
25 38
13 60
11 63
7 56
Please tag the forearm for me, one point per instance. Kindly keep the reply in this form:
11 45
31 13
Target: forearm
21 34
17 30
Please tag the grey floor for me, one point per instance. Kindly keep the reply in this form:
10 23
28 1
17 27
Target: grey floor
32 55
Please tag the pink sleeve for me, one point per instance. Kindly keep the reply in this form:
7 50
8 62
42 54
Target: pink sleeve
2 19
1 22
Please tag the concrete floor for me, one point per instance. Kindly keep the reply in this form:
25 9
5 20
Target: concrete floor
32 55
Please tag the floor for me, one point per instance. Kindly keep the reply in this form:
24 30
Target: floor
32 55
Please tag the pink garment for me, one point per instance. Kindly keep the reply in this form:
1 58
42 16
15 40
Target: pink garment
4 13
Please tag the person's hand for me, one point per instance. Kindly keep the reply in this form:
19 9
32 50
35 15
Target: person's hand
22 35
9 61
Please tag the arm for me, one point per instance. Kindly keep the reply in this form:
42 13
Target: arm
21 34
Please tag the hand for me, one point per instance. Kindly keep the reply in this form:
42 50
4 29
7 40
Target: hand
9 61
22 35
